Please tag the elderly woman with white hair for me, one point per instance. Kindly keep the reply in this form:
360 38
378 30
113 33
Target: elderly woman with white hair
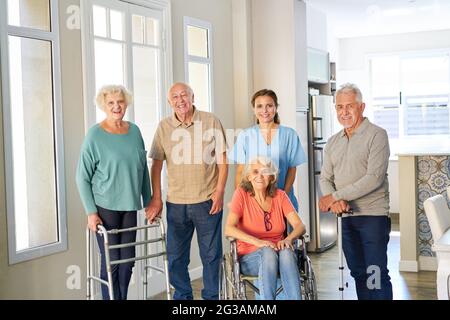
258 211
113 181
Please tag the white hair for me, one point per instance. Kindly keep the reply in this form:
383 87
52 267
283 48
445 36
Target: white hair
266 162
111 89
185 85
271 169
351 88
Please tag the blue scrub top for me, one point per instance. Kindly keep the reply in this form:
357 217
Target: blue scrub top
285 150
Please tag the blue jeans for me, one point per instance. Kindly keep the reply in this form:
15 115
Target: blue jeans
267 263
365 240
182 219
121 273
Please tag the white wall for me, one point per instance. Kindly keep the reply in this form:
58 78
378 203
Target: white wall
274 53
316 28
353 51
352 67
393 187
243 63
45 278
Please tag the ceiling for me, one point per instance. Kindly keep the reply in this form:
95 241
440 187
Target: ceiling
356 18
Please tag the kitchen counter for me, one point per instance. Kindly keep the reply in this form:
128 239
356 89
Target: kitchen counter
436 147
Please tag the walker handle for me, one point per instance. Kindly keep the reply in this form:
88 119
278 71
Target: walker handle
96 227
345 212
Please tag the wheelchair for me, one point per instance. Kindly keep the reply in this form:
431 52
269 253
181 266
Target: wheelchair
233 284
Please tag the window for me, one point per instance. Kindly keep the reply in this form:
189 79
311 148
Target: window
410 96
129 44
198 61
32 129
127 48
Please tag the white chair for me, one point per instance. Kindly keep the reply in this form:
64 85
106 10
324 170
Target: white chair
438 215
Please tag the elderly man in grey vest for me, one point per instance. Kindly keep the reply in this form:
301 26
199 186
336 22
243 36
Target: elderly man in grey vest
354 176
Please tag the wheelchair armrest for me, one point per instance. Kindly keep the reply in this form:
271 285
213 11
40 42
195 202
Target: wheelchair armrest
300 243
305 237
231 239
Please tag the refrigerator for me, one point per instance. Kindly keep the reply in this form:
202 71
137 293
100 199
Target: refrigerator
323 225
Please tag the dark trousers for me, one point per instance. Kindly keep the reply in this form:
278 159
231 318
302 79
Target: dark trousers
121 273
182 219
365 240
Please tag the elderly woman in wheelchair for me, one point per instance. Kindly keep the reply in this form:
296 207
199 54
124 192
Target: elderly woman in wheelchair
258 211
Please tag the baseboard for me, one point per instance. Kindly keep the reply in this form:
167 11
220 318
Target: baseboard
428 263
408 265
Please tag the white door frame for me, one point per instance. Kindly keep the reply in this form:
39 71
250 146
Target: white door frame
161 10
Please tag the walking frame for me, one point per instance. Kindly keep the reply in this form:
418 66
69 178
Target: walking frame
145 257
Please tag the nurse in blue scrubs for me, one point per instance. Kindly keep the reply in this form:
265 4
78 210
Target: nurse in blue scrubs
270 139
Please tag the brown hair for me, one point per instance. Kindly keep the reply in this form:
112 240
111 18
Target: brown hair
269 93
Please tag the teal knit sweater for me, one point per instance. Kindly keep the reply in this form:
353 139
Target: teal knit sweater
112 171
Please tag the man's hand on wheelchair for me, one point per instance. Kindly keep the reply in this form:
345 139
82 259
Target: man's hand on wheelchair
285 244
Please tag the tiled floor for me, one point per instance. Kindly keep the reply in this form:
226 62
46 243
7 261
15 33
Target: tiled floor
406 285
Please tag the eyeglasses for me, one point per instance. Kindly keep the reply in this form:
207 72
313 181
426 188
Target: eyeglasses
267 223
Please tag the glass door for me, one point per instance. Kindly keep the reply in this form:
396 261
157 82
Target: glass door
125 46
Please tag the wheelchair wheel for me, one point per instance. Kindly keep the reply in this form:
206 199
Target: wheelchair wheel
226 291
309 281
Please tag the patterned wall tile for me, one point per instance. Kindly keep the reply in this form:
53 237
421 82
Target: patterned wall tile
433 178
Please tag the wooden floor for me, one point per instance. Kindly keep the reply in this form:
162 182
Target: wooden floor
406 285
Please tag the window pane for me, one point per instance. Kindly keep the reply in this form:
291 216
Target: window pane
425 75
425 94
386 94
197 41
199 81
152 31
29 13
427 120
33 142
388 119
146 90
385 77
109 62
116 25
138 29
100 21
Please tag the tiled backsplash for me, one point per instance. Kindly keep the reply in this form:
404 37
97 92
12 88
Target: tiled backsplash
433 178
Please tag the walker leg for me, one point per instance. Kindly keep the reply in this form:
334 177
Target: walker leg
341 260
88 264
